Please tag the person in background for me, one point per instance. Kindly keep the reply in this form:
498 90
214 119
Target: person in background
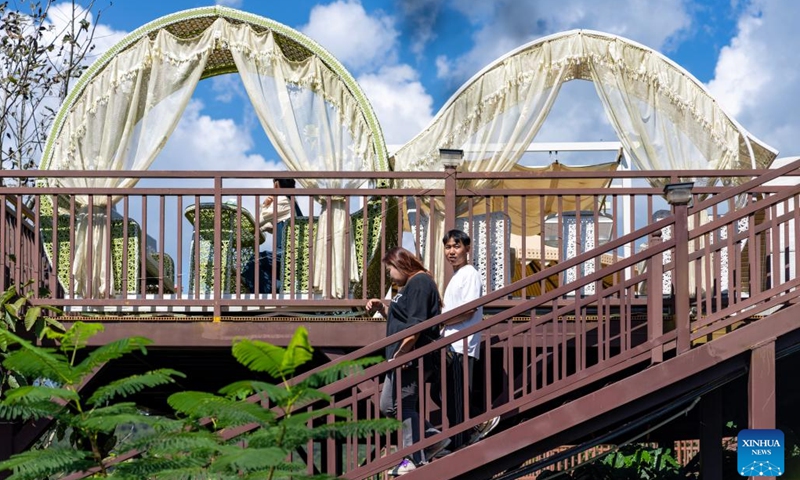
416 301
274 213
283 207
464 287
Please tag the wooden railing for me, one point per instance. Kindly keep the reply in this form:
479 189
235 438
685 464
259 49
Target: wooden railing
149 263
552 347
548 346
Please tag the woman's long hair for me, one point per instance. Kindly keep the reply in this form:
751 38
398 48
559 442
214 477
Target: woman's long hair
404 261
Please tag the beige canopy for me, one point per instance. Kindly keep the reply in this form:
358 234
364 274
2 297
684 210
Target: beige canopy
533 213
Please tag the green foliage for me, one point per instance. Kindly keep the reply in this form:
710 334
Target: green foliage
39 464
189 445
630 462
134 384
55 377
16 310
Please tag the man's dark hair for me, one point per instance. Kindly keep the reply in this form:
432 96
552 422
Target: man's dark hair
457 236
285 182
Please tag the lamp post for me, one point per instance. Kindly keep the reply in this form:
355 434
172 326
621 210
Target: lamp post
451 159
576 233
679 195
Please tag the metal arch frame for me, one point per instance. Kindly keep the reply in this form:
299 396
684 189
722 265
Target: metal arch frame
378 142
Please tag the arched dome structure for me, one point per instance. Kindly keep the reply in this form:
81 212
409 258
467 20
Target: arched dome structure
664 117
203 42
125 106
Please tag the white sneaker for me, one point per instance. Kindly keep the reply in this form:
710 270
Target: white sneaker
437 447
484 429
404 467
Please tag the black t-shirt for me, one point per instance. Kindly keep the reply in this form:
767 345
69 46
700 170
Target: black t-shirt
416 302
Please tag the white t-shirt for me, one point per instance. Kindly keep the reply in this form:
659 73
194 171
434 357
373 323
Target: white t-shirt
464 287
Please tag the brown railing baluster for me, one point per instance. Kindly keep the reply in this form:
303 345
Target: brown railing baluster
681 280
655 299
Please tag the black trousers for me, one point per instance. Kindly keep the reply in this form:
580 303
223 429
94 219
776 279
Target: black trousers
454 376
264 273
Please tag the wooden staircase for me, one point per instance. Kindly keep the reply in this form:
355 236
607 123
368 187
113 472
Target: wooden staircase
583 364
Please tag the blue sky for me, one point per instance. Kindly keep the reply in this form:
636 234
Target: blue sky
411 55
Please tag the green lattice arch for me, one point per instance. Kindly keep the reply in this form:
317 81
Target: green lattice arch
189 23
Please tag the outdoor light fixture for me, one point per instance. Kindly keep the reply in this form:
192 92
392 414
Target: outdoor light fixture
603 224
679 193
451 158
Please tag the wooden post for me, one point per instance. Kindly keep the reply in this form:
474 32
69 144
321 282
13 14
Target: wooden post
681 277
655 298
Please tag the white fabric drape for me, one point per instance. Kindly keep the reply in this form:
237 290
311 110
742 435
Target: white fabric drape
121 122
657 113
493 121
664 118
315 124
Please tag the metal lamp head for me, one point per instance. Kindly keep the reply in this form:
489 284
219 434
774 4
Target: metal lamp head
679 193
451 158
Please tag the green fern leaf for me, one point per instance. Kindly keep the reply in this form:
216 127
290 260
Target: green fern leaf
174 442
248 459
304 396
112 351
298 352
77 336
245 388
339 371
32 361
276 361
40 464
184 467
288 437
134 384
226 412
30 394
260 356
32 411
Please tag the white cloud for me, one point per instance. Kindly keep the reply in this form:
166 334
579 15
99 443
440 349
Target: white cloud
61 15
367 43
400 101
230 3
227 88
505 25
757 77
360 41
203 143
420 17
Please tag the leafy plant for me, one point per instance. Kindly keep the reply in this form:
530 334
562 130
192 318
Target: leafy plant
189 444
38 63
16 309
55 377
628 463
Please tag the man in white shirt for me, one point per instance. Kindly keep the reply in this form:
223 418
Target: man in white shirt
464 287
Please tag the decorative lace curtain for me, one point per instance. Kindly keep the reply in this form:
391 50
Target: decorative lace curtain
315 124
493 121
121 122
663 117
